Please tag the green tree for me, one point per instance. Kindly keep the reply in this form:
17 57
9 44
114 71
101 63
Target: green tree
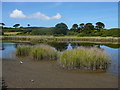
2 24
100 25
16 25
61 28
81 25
28 25
88 28
74 26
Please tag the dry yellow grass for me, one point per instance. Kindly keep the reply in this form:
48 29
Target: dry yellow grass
11 33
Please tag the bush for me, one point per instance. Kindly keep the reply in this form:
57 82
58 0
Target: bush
82 34
57 35
90 58
103 35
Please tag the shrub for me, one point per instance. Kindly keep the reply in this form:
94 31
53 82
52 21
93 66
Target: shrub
103 35
82 34
58 35
90 58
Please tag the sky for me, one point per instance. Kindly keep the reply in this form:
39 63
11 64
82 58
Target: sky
48 14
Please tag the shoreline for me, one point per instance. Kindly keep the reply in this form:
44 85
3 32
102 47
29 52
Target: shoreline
46 74
106 40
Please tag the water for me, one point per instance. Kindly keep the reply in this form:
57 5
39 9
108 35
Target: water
8 51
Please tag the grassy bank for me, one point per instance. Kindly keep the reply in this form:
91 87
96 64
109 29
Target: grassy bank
60 39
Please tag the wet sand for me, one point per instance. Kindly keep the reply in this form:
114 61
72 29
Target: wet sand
47 74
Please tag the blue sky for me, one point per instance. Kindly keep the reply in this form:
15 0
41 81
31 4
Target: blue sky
48 14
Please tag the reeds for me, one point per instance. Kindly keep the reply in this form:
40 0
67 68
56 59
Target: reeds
89 58
38 52
23 50
44 52
60 39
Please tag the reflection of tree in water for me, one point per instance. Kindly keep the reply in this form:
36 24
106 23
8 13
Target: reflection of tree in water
75 45
113 45
64 46
58 46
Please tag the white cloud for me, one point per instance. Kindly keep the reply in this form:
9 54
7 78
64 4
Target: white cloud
17 14
42 16
39 15
57 16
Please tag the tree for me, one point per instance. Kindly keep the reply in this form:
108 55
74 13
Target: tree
28 25
75 26
81 25
61 28
2 24
100 25
88 27
16 25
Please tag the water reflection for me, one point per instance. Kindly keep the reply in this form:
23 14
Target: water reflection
7 50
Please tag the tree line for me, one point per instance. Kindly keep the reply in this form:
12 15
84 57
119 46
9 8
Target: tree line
61 29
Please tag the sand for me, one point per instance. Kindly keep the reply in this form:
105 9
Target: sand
47 74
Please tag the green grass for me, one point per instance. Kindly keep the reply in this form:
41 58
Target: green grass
61 39
90 58
23 50
44 52
39 52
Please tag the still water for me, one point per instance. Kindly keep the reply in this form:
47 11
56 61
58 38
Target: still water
8 51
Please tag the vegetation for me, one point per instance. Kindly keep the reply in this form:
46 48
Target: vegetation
11 33
41 52
61 39
42 31
16 25
44 52
90 58
82 57
23 50
61 29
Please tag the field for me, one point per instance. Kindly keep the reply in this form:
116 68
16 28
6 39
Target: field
60 39
11 33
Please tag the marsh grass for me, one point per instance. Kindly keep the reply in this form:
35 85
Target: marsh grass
60 39
44 52
38 52
89 58
23 50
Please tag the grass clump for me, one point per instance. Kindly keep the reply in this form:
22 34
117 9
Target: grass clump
38 52
44 52
23 50
90 58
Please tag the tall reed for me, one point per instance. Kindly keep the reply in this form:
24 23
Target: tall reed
90 58
38 52
23 50
45 52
